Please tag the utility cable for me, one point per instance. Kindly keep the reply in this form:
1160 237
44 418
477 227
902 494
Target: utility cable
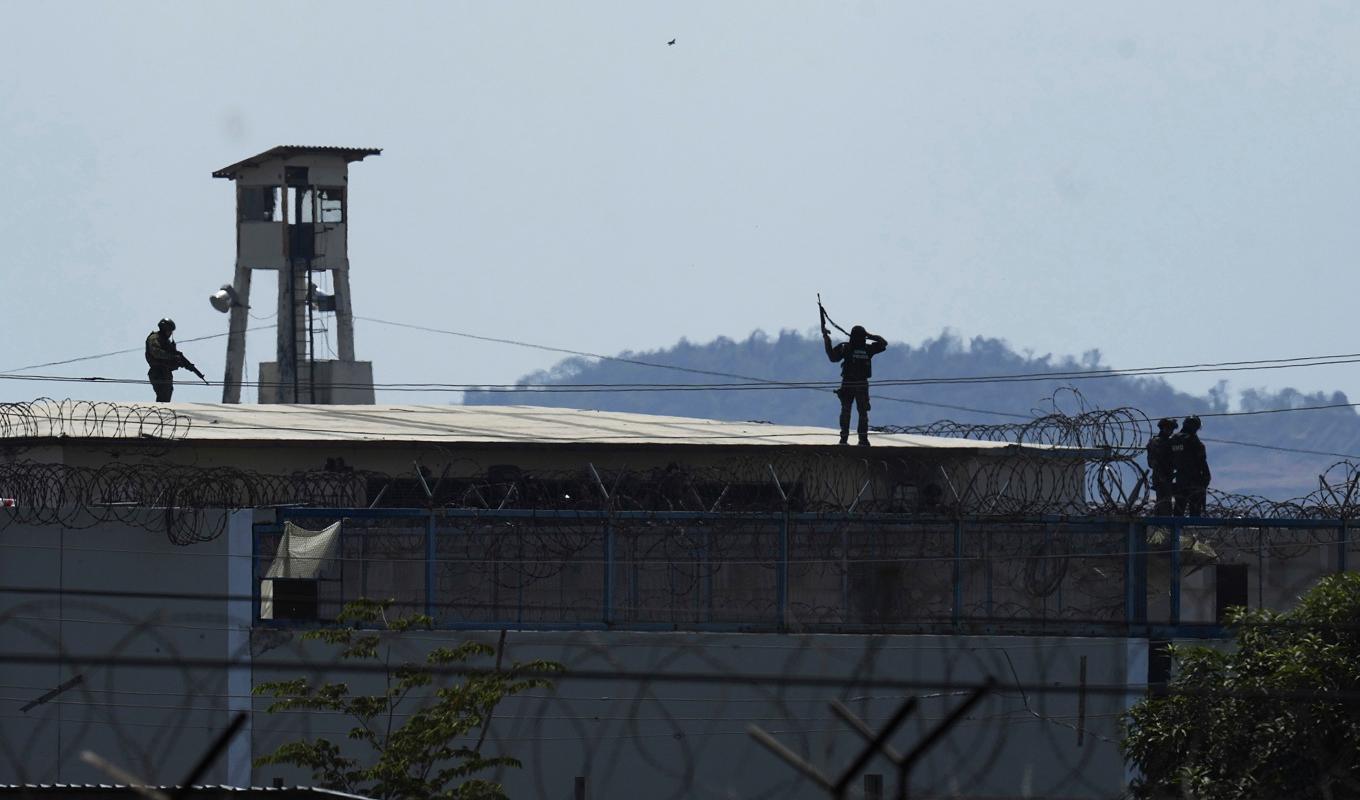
121 352
750 382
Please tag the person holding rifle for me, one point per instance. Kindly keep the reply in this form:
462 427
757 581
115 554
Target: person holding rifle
163 357
855 357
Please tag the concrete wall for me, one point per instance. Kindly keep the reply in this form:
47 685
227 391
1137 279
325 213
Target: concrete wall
262 245
1037 735
152 722
1037 732
323 169
337 383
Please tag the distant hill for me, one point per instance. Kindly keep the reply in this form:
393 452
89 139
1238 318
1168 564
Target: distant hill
791 356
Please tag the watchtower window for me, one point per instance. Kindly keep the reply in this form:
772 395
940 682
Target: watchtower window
258 203
295 176
332 202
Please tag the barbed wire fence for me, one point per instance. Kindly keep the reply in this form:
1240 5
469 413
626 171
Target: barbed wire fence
668 707
1030 480
671 711
49 418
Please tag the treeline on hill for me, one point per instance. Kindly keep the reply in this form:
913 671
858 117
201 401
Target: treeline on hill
1237 464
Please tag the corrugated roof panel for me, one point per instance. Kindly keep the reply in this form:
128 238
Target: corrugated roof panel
519 425
288 150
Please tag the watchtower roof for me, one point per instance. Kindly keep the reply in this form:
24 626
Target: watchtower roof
290 150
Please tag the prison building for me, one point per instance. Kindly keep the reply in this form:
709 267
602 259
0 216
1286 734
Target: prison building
419 456
145 601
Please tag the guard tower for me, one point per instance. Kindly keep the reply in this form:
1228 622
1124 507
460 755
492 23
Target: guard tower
292 215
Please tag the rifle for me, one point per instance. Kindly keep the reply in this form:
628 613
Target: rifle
827 317
189 365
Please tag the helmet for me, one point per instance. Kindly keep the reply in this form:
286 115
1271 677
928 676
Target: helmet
166 325
1166 423
1191 424
857 333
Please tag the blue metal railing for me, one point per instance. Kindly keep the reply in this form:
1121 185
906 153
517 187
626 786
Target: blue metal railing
1150 576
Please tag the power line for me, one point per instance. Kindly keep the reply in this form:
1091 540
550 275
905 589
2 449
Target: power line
1224 366
763 383
750 382
118 352
521 388
551 349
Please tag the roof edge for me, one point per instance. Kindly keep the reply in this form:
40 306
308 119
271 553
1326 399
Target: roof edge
350 154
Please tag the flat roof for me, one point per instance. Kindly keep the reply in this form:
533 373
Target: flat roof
290 150
477 424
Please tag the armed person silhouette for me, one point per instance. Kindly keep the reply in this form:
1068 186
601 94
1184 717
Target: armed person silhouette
1192 469
856 358
163 357
1162 467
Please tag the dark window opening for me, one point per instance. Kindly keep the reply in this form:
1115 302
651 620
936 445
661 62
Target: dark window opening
295 176
295 598
258 203
1230 590
1159 664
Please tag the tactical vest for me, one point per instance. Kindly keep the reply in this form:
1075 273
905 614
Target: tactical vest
858 363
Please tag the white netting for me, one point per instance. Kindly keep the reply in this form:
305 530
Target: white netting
301 554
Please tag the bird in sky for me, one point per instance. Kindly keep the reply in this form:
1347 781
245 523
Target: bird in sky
671 42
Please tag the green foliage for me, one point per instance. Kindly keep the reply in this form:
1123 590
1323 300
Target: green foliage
421 743
1278 715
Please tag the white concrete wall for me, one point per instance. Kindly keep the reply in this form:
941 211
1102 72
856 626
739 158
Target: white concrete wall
323 169
152 722
261 245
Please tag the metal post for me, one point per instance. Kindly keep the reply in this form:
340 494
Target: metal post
608 572
782 572
845 573
707 599
1130 557
1342 541
255 574
1140 566
236 338
1176 573
958 572
429 566
987 565
1260 567
363 563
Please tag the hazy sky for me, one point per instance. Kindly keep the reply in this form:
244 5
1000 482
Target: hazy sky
1168 182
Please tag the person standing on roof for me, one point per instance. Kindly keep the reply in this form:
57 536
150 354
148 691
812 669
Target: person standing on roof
163 357
1192 469
1162 468
856 358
